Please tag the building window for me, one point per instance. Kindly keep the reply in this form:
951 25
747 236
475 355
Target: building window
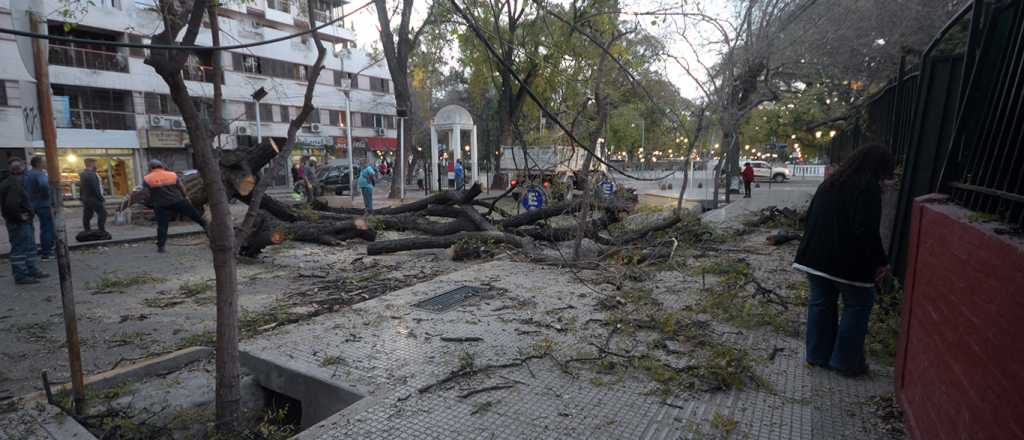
267 112
246 63
314 117
337 118
379 85
157 104
284 113
278 5
136 52
367 120
3 92
250 111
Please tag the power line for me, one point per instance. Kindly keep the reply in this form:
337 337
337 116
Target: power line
178 47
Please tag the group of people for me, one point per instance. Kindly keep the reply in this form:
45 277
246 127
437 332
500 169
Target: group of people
25 198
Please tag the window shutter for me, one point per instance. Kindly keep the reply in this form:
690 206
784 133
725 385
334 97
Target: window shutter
237 62
285 117
250 111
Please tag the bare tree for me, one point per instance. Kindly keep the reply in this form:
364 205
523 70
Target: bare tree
398 45
186 19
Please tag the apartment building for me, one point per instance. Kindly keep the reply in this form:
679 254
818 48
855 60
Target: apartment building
110 106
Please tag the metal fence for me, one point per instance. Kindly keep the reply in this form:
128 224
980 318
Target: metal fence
953 119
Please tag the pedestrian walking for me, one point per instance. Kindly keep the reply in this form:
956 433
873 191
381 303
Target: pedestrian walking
168 196
17 213
460 175
309 175
91 195
748 178
37 186
366 182
842 255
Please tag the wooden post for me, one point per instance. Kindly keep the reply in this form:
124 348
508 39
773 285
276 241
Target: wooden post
67 290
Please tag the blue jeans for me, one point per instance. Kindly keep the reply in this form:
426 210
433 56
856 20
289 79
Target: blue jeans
368 199
837 345
23 250
45 216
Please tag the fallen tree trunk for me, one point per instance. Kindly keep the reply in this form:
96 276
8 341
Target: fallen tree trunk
640 234
443 242
269 231
417 223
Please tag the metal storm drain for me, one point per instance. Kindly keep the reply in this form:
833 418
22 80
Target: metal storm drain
448 300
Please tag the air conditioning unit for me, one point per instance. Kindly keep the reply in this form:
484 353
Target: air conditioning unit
177 124
253 24
380 131
156 121
242 130
314 127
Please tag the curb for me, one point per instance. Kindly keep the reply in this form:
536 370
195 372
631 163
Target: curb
58 426
94 244
155 366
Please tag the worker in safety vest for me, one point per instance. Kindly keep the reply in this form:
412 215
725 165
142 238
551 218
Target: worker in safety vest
168 196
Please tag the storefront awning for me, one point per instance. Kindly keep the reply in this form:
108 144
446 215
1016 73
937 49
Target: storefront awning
380 143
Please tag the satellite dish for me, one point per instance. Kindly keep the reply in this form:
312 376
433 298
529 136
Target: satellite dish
21 16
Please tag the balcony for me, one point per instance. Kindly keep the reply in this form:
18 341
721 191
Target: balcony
102 120
88 59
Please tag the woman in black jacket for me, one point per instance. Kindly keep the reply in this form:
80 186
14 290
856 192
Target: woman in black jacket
842 255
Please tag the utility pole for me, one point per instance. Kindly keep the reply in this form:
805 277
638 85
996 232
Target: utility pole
401 113
67 290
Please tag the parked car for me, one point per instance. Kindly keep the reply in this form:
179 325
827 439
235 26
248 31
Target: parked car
333 178
765 171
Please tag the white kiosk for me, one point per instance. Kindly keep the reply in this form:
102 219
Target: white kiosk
454 119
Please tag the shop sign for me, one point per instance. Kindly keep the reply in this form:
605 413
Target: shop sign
158 138
340 141
316 141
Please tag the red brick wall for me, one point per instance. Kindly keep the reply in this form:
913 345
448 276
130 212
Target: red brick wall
960 366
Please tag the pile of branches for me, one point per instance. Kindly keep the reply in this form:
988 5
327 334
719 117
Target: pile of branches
440 221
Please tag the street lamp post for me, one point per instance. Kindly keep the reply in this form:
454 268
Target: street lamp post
257 96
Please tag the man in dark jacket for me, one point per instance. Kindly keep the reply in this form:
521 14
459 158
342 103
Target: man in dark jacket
17 212
37 186
168 196
92 197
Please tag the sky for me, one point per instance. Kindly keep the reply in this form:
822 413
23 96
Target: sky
367 36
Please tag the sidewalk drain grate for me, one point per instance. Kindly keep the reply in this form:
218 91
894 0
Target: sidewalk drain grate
448 300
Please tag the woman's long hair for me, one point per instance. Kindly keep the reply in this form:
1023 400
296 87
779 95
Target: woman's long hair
872 163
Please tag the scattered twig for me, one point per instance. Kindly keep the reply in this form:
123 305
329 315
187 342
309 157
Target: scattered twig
485 389
471 371
461 339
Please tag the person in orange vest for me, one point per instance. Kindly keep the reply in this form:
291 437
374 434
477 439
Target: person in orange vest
748 178
168 196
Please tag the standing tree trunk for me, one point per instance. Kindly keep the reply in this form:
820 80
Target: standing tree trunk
169 64
397 50
698 129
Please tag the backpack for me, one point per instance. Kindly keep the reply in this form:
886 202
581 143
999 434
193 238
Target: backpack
92 235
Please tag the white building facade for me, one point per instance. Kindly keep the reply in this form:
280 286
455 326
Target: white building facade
110 106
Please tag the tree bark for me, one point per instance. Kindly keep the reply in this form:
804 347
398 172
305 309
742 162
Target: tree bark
169 64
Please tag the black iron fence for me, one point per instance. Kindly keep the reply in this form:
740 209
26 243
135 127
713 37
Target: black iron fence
954 119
